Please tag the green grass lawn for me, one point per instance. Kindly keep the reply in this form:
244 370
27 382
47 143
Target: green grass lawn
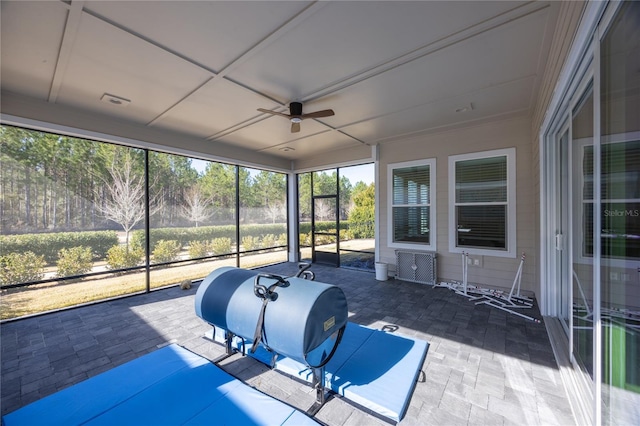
35 299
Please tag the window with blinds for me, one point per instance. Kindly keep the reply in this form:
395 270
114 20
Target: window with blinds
481 202
620 200
411 185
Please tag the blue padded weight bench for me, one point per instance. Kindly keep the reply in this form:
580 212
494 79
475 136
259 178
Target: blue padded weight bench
170 386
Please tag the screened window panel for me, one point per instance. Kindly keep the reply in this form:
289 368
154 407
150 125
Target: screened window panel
482 226
411 185
481 180
411 224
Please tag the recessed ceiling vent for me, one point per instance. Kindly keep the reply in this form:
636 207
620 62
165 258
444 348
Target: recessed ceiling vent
115 100
465 108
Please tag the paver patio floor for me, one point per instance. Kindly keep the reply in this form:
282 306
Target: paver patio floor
484 366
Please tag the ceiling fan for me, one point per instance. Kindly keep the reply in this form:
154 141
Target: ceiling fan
296 116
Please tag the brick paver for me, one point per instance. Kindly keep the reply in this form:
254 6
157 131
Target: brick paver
484 366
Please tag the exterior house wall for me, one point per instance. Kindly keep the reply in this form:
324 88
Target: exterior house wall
507 133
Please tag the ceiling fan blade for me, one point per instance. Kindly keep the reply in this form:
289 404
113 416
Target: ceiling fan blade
267 111
319 114
295 127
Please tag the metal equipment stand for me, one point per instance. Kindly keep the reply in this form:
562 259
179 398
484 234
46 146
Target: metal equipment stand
492 297
268 294
322 395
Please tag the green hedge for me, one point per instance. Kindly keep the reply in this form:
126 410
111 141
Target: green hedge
356 229
49 245
184 236
305 227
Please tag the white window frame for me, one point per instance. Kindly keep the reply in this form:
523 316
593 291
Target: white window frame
510 250
431 163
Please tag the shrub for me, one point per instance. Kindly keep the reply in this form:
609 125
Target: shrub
282 239
166 251
49 245
221 245
305 239
18 268
119 257
198 249
74 261
362 229
268 241
249 242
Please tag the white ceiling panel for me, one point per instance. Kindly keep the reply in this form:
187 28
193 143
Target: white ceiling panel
30 45
202 68
210 33
215 107
272 131
343 39
491 102
509 52
106 59
309 147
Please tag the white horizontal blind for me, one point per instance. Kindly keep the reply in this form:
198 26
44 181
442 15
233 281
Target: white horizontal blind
482 180
411 204
481 202
620 195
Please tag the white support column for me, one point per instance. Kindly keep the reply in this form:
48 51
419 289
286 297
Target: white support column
375 154
294 242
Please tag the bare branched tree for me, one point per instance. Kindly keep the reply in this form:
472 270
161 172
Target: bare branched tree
324 210
197 207
276 210
125 203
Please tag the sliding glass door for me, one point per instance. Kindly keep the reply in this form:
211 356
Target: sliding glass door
620 213
592 200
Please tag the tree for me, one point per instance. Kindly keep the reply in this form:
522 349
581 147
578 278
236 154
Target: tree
125 204
219 186
304 197
196 207
270 192
172 177
362 214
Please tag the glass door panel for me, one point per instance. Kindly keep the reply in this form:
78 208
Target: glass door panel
324 229
620 216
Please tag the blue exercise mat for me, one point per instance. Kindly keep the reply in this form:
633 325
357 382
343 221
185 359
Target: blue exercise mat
171 386
374 369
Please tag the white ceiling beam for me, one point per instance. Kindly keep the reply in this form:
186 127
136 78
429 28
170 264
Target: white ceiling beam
66 46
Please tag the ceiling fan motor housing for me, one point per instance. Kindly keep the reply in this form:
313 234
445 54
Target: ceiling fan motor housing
295 108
